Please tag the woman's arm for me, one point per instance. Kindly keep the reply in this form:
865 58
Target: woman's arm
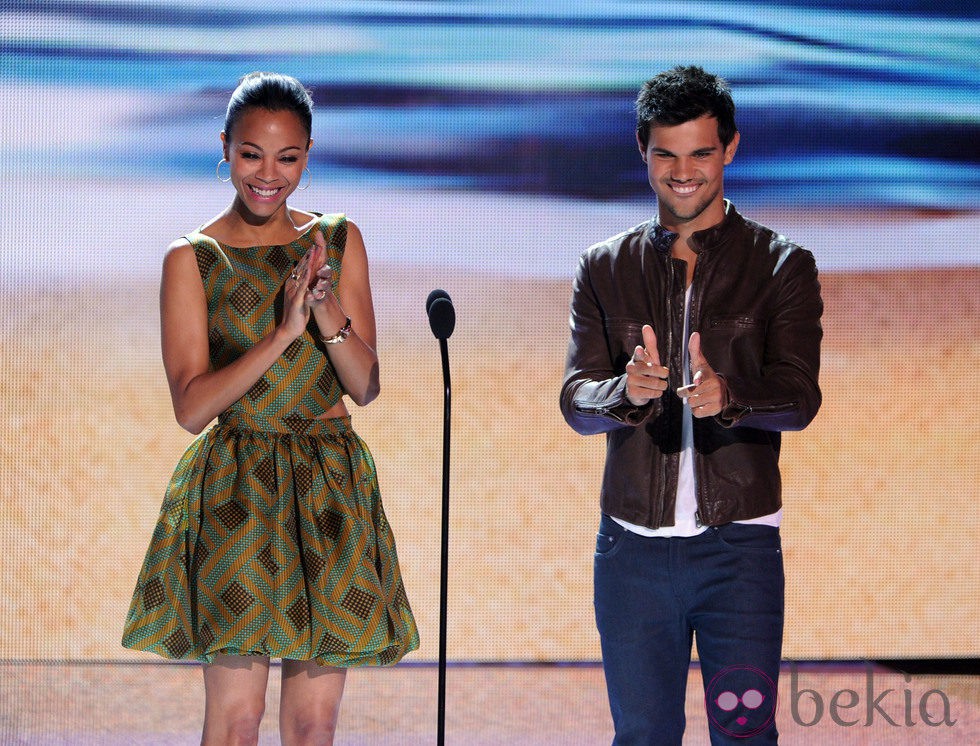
355 360
199 394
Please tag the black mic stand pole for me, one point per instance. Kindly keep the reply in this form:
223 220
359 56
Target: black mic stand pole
444 562
442 320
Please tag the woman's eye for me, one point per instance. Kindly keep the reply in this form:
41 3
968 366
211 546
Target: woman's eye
290 159
250 156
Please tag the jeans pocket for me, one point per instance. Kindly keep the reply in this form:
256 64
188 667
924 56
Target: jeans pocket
748 537
609 538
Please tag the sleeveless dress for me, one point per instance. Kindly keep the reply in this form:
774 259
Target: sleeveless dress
272 539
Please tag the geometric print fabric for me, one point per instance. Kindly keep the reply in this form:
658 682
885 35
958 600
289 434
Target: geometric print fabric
244 289
306 570
272 539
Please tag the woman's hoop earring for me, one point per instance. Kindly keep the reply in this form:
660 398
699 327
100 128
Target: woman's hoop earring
308 181
217 171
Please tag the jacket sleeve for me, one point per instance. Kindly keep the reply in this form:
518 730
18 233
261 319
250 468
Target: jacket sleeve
785 395
593 393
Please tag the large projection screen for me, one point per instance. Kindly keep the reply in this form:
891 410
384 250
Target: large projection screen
481 147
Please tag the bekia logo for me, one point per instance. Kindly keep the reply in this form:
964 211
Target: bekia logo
741 701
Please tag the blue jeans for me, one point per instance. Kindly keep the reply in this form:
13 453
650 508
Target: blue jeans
723 588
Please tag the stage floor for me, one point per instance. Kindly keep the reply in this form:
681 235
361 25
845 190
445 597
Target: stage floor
136 704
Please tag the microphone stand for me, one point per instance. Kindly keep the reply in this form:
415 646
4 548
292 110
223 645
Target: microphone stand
444 562
442 320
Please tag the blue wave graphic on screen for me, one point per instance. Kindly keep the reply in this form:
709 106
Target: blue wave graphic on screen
839 103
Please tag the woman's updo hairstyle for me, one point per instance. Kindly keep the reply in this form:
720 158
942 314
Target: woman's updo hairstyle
271 91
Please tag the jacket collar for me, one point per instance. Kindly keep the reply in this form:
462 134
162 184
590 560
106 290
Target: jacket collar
718 234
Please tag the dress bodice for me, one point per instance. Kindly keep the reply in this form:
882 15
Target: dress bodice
244 289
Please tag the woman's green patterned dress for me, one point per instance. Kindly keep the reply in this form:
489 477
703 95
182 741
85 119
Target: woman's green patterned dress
272 539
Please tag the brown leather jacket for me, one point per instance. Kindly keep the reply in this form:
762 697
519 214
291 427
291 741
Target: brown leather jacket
756 301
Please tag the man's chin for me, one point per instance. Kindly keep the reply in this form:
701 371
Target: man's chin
687 215
684 212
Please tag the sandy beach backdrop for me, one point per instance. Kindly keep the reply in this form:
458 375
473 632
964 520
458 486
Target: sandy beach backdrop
881 492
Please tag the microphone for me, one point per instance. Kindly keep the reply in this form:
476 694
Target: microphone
442 313
433 296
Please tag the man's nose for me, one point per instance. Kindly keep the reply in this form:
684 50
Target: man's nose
682 170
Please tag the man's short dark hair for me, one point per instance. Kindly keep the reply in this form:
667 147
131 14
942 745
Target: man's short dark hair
681 94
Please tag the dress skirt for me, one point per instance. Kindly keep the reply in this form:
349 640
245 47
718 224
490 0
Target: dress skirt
272 540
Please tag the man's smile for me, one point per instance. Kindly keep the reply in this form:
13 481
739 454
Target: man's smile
683 189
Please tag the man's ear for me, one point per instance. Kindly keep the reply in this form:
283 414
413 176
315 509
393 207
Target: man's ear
731 148
639 145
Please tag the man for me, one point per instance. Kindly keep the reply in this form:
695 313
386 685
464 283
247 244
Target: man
695 340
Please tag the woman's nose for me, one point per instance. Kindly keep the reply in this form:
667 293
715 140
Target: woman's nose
267 170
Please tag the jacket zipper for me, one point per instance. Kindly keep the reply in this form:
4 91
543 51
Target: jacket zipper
671 280
696 292
586 409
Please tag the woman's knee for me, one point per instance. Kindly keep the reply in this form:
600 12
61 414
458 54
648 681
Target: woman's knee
233 722
312 727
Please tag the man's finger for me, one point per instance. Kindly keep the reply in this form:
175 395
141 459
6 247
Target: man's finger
650 343
694 350
699 364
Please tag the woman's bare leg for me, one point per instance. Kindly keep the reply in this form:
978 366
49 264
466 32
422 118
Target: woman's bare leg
234 699
309 703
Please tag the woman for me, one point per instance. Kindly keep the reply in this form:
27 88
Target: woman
272 541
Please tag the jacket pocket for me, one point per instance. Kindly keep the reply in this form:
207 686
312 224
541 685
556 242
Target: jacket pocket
734 344
736 322
622 337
